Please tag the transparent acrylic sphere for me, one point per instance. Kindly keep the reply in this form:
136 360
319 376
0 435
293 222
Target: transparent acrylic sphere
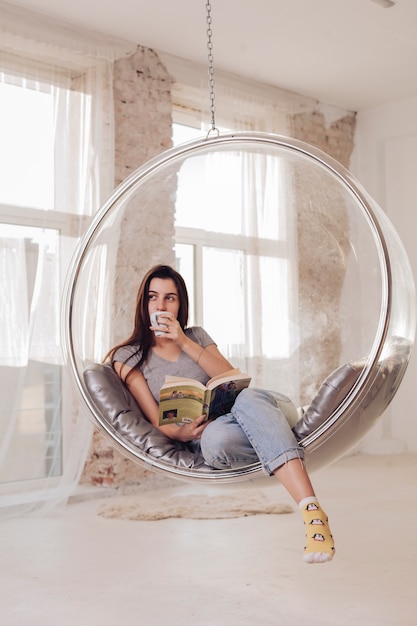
349 291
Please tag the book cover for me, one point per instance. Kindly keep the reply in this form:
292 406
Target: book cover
183 399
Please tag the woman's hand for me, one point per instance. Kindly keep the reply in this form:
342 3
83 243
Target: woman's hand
189 431
170 326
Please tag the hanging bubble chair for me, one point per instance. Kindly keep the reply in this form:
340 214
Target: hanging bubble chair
349 313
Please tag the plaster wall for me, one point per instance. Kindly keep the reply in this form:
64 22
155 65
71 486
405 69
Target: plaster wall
385 161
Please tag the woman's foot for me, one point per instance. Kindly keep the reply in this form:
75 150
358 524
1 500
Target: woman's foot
319 546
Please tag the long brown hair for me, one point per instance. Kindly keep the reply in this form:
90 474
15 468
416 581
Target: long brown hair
142 336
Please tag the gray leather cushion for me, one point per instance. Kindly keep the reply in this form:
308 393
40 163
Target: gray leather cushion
117 406
331 393
388 375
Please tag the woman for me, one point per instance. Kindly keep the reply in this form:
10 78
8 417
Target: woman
255 430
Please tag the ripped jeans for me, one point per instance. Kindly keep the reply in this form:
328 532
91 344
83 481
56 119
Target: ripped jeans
258 429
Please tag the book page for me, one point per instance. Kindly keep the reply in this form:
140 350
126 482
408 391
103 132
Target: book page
179 381
234 374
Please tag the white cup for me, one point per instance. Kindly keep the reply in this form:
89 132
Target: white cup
155 322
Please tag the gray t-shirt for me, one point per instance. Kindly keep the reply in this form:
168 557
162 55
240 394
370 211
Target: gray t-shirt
156 368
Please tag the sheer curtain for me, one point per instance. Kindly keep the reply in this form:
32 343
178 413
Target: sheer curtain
46 201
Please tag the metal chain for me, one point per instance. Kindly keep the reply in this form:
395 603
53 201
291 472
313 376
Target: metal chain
210 69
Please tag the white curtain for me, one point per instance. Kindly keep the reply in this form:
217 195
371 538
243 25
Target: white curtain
41 466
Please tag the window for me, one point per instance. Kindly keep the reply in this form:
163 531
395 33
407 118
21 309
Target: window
30 414
236 243
30 274
37 237
56 149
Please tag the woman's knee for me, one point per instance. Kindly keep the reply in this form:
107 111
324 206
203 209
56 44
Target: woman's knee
224 445
253 402
252 397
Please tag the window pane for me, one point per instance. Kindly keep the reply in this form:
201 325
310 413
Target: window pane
224 297
26 147
206 197
30 353
232 193
30 294
275 321
30 422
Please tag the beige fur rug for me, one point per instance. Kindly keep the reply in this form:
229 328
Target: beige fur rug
156 507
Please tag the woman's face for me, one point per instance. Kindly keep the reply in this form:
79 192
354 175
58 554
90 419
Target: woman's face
163 296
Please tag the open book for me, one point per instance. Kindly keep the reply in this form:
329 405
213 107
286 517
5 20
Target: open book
181 400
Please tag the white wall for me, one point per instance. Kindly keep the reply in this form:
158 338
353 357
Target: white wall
385 162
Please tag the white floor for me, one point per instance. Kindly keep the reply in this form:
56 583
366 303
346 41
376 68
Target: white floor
77 568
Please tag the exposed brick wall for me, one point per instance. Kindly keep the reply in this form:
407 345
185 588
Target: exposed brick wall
143 111
143 123
336 138
323 242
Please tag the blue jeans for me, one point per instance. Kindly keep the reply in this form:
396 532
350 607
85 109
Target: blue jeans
257 429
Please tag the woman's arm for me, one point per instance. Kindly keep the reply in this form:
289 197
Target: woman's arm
139 389
210 359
